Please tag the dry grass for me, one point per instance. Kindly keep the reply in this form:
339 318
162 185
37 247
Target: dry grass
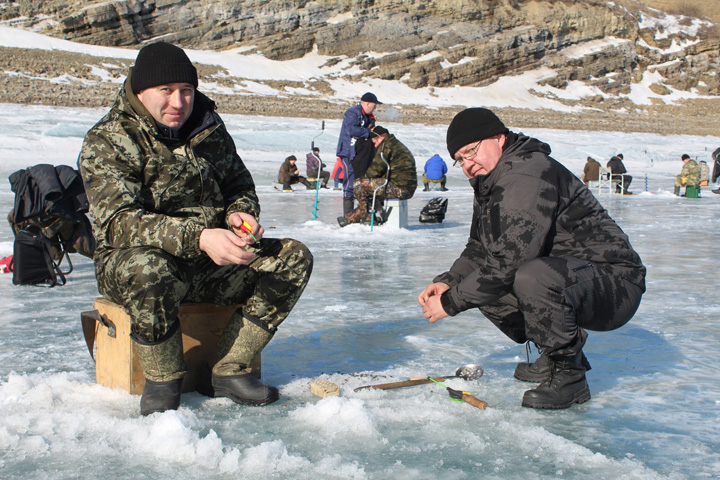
690 8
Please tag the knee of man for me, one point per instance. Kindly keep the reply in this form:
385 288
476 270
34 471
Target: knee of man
151 270
526 278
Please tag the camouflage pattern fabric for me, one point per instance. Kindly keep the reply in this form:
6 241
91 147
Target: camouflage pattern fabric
403 172
162 361
151 284
542 253
147 191
689 175
364 189
151 197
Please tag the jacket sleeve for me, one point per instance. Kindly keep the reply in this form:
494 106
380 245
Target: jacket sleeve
238 186
112 169
515 225
351 124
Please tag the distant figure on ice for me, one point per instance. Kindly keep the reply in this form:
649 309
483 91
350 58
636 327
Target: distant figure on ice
591 172
358 121
175 212
337 173
401 178
619 174
289 174
313 164
689 175
544 261
704 173
716 171
435 172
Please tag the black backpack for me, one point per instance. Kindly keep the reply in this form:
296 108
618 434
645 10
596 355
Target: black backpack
434 211
49 223
33 262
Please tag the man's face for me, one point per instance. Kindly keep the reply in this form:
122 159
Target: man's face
169 104
377 140
481 158
368 107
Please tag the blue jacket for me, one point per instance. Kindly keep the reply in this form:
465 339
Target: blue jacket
435 168
356 124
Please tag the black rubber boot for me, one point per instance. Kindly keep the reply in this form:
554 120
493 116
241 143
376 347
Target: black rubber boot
348 205
564 386
163 366
160 396
539 370
244 389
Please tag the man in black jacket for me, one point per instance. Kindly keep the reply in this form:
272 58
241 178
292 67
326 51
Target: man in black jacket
619 174
544 261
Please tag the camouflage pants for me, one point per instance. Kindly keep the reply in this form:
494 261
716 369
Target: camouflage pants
555 299
364 188
151 284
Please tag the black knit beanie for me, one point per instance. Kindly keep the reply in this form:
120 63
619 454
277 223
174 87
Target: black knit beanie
162 63
472 125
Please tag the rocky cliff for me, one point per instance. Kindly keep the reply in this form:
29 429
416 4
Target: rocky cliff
423 43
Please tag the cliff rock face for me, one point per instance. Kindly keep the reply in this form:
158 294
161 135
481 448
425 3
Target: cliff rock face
420 42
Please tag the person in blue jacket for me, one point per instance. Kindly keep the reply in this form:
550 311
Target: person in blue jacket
358 122
435 172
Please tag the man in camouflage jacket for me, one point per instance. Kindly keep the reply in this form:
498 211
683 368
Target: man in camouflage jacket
393 163
172 204
689 175
544 261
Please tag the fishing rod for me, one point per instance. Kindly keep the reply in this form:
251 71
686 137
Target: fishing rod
317 180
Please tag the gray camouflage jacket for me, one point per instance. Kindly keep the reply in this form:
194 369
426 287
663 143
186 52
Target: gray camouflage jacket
531 206
148 190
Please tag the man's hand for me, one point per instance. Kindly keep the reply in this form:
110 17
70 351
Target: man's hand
224 247
429 300
236 220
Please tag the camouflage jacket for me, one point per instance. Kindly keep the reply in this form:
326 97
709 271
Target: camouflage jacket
531 206
691 170
148 190
403 172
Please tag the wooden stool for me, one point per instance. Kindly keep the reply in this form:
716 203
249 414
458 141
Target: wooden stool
116 363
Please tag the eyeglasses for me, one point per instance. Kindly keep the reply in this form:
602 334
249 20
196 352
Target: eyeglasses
459 159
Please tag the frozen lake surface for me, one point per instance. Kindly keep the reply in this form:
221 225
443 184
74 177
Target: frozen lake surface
655 402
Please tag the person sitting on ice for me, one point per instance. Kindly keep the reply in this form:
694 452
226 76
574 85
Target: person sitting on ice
289 174
435 172
394 167
313 163
176 221
544 261
619 174
689 175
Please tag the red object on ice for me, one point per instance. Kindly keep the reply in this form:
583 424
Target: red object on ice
6 265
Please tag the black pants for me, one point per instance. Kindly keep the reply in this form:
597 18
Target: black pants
555 299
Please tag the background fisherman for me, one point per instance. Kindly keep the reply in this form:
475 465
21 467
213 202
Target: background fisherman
544 261
401 177
435 171
358 121
169 196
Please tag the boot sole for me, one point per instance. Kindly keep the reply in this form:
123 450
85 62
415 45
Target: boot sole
221 392
580 397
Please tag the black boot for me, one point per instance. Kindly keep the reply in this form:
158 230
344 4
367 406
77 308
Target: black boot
244 389
163 366
564 386
427 187
160 396
348 205
539 370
